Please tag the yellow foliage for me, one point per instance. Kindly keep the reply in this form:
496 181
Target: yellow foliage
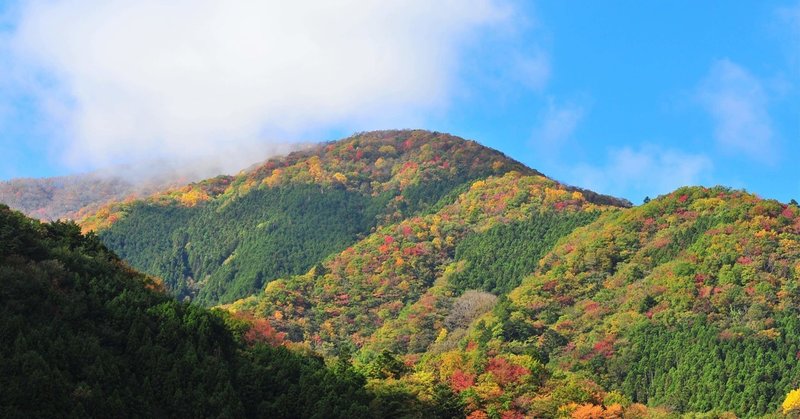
315 168
488 389
442 335
554 195
193 197
340 177
276 285
792 402
478 185
450 362
273 179
387 149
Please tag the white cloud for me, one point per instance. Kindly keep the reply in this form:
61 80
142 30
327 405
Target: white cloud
557 125
737 103
129 79
533 70
649 170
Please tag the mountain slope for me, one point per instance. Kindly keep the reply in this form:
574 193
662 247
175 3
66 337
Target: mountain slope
224 238
346 298
85 336
688 302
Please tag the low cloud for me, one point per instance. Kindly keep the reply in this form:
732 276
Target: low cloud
648 170
120 80
737 103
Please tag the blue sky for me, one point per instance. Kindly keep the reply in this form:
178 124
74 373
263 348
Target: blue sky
629 98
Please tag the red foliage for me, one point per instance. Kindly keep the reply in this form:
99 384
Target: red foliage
591 307
605 347
262 332
461 381
683 198
744 260
512 414
506 372
549 286
565 300
388 240
700 279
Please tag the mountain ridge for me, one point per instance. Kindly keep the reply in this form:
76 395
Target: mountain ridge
369 180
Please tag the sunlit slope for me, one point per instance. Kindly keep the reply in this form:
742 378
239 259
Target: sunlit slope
225 238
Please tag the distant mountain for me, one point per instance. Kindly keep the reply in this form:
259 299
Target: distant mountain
63 197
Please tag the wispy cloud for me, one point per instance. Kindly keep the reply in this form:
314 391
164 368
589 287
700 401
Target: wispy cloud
737 103
533 69
556 125
788 24
648 170
126 79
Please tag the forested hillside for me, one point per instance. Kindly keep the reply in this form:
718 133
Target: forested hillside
86 336
343 300
225 238
688 303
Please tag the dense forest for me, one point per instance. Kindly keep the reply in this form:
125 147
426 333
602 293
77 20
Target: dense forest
405 274
87 336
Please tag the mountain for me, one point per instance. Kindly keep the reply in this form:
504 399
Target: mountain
422 275
688 303
225 238
347 297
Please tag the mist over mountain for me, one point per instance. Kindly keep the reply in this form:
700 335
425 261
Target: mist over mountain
74 196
